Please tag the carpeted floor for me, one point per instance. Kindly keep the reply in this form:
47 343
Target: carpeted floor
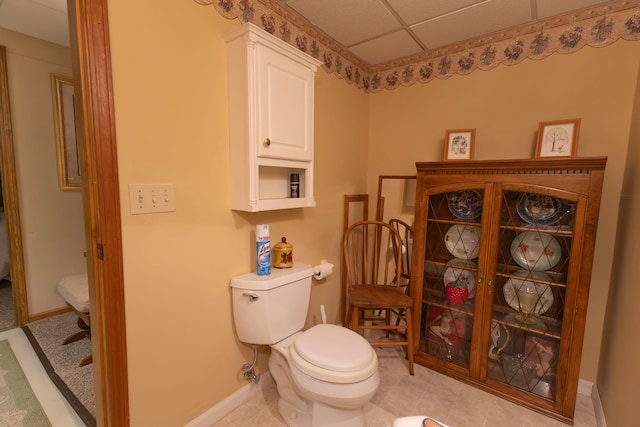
7 311
62 361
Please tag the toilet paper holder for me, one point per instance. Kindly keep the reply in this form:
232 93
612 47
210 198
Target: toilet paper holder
322 270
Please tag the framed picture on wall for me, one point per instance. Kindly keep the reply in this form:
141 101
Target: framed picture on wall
66 141
558 138
459 144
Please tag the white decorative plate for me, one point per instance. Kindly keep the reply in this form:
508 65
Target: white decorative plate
541 293
468 277
463 241
535 250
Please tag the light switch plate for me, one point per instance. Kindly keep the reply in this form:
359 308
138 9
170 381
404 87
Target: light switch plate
151 198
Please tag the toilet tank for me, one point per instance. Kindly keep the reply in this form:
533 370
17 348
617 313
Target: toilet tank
267 309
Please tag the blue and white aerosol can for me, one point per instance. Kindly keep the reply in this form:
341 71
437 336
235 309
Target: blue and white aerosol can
263 249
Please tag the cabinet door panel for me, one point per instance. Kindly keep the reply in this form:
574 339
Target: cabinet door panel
532 259
285 97
453 229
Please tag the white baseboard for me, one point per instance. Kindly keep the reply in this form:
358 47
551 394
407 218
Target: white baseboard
597 406
222 409
585 387
588 388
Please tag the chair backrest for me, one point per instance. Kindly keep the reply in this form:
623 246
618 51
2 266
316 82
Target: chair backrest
372 252
406 235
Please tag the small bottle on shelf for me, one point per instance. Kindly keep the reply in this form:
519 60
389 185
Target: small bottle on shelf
294 186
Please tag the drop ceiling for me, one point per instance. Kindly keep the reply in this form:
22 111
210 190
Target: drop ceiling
379 31
376 31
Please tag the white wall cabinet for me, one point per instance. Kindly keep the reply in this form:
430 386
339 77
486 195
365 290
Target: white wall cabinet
271 112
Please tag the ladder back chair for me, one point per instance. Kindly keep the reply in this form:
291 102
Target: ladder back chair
372 252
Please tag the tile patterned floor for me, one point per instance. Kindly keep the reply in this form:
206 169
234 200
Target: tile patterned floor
426 393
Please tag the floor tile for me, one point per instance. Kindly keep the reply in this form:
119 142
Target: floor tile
426 393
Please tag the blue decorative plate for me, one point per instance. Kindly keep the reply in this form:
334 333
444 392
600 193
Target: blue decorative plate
541 209
465 204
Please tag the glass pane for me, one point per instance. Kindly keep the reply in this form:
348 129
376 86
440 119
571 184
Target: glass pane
452 246
534 247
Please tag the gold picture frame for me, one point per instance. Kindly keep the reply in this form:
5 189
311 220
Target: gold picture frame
459 144
66 140
558 138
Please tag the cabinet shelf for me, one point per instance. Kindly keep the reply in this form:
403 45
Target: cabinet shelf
490 341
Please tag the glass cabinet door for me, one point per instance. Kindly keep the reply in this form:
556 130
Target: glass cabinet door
453 228
532 255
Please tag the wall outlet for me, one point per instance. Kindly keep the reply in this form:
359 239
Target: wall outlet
151 198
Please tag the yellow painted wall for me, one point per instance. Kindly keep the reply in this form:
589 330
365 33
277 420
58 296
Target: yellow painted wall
618 374
170 89
505 106
169 75
51 219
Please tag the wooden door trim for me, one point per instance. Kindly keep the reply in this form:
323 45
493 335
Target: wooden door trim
90 48
10 195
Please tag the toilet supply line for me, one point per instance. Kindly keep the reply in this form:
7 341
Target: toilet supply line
248 370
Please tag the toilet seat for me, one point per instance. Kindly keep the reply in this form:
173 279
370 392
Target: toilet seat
334 354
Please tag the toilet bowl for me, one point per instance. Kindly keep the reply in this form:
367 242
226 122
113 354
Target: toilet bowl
324 375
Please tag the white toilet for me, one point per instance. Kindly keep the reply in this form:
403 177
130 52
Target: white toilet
324 375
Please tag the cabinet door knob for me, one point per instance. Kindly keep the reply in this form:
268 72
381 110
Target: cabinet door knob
267 142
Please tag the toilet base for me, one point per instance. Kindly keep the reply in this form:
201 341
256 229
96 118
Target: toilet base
297 411
320 415
294 416
330 416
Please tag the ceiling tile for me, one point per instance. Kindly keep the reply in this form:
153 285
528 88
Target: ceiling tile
347 22
482 18
414 11
548 8
386 48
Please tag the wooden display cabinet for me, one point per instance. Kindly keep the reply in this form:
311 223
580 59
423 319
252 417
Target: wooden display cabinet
513 241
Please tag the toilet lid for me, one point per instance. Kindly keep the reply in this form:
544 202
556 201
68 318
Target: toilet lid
334 348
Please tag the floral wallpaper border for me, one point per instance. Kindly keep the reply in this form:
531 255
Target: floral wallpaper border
596 27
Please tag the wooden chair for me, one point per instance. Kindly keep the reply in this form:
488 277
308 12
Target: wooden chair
406 235
372 253
75 291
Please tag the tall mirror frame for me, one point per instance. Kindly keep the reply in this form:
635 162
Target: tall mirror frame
396 198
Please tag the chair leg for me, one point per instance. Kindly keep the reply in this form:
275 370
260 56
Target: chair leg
409 334
87 360
76 337
354 319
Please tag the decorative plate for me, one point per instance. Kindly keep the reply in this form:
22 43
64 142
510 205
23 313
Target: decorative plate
465 204
541 209
526 296
463 241
468 277
535 250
